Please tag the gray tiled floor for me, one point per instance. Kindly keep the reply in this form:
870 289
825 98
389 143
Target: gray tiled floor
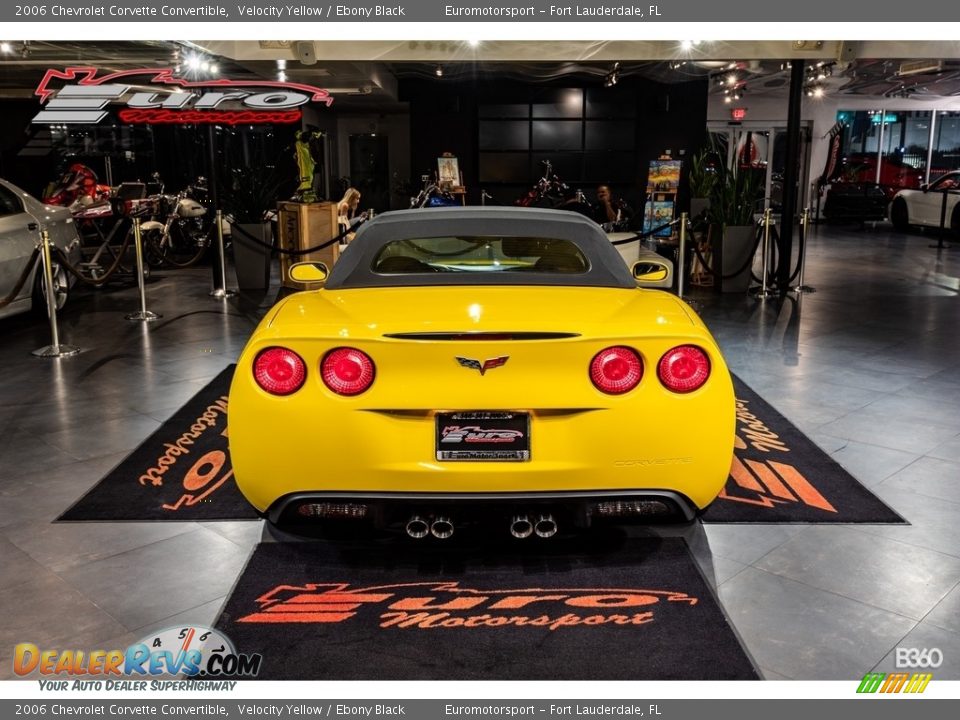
867 367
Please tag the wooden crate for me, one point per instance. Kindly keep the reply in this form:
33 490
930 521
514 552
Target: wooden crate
305 225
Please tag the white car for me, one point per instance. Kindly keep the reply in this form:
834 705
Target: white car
21 218
924 206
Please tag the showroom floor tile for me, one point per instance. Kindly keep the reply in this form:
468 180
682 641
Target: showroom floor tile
866 366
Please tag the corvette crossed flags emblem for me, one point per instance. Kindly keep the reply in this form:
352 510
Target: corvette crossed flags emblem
485 365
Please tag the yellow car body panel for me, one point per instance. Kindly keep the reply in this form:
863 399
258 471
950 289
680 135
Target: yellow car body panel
383 440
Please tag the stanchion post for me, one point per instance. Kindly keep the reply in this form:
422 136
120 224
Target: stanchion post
54 349
800 288
142 315
765 291
220 291
681 252
941 245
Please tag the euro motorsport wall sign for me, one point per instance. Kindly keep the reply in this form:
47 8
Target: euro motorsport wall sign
78 96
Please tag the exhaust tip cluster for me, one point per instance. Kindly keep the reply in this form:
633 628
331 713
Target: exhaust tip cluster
521 526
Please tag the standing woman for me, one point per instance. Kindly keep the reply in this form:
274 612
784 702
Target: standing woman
347 211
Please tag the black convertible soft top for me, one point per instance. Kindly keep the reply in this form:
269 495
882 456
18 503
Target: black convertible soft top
355 267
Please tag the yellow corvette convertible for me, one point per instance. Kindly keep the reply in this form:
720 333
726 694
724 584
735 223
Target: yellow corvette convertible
481 364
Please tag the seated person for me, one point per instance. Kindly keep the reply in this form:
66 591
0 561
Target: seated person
608 210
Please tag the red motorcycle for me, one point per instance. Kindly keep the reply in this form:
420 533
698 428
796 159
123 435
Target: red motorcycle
552 193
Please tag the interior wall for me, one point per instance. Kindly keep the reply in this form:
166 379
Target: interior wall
458 117
396 128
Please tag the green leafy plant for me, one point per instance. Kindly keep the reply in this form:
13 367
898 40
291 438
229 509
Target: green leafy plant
703 175
734 198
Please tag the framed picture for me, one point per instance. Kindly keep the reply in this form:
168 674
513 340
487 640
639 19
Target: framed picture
448 172
664 176
659 213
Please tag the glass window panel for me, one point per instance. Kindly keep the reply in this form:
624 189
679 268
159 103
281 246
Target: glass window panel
946 144
565 104
504 135
505 111
610 135
557 135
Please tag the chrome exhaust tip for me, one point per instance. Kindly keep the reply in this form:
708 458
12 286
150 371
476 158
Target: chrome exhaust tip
417 527
521 527
442 528
545 526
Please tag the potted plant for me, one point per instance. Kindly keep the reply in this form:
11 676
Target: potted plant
732 212
248 195
703 177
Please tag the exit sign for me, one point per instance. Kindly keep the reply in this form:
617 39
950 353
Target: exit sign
738 114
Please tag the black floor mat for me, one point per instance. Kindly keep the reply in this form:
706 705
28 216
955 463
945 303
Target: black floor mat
780 476
600 606
182 472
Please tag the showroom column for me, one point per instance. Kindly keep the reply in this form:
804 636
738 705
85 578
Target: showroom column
790 175
218 262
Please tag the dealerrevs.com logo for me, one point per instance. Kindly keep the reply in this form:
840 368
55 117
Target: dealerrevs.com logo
193 652
446 605
78 96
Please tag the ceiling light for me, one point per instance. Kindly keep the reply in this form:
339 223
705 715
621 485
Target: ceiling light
686 45
282 76
732 79
439 71
214 68
6 47
473 43
193 62
205 66
613 76
281 64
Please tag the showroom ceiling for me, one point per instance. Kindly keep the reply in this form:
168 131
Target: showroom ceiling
365 74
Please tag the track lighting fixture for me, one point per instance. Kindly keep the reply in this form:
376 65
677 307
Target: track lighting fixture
613 76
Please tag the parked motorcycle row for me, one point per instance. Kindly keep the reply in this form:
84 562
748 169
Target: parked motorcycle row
175 227
548 192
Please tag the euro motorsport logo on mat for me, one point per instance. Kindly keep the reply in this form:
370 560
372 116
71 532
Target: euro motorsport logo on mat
438 605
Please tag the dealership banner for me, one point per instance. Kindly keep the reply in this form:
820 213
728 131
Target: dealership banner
219 706
578 11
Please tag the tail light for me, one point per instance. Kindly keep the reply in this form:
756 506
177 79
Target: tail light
616 370
279 371
684 368
347 371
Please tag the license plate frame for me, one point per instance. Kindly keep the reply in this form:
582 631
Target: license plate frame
482 436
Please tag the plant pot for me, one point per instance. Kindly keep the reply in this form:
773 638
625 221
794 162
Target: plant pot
698 206
251 258
738 248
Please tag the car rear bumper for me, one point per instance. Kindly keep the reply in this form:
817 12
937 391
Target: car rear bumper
572 508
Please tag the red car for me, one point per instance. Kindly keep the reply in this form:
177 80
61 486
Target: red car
895 174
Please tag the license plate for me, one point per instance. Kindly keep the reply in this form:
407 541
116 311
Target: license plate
483 436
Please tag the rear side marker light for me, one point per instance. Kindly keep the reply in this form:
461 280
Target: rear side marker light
279 371
684 369
616 370
347 371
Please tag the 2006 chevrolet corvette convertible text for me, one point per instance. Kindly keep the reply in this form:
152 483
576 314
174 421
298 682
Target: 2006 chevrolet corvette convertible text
482 364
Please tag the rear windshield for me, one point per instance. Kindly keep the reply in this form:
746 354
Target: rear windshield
480 254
